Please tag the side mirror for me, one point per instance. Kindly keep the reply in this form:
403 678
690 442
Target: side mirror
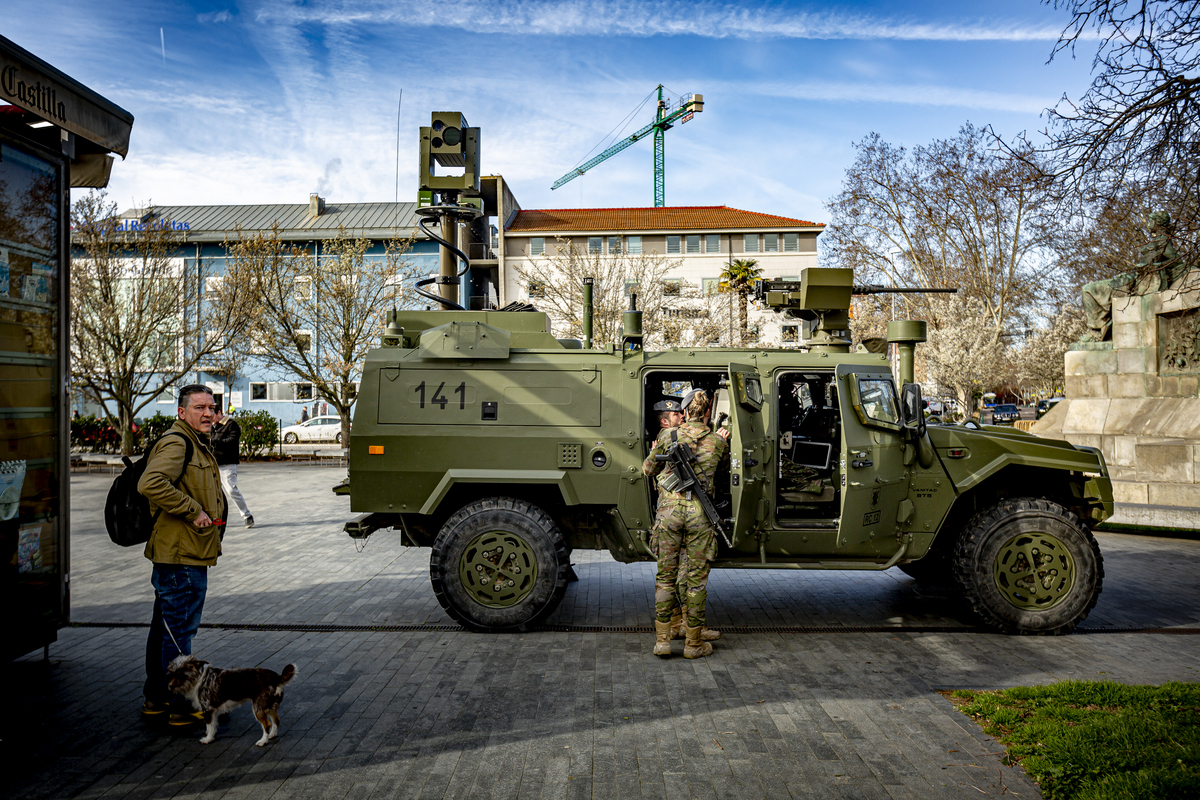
912 409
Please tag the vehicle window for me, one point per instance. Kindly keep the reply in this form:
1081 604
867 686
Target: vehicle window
879 400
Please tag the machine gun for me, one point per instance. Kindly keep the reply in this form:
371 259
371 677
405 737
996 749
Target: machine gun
679 459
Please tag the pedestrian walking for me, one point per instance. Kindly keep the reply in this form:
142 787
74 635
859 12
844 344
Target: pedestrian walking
681 527
226 439
182 484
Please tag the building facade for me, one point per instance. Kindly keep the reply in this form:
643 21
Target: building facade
704 240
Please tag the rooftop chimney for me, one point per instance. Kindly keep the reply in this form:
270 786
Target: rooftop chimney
316 205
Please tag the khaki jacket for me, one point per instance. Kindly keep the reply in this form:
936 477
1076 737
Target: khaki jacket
175 539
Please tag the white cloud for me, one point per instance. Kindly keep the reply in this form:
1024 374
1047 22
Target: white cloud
215 16
644 19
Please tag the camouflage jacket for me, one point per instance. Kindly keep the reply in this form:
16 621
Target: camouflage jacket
708 447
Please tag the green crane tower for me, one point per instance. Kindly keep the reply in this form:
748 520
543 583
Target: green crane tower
664 119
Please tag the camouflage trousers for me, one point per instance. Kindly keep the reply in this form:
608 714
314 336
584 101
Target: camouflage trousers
685 544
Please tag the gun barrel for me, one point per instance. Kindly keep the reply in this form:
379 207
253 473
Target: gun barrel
875 289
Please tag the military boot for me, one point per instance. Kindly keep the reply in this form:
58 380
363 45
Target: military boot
696 647
708 634
677 626
662 638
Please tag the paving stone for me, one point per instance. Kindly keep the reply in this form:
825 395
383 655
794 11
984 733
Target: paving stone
584 714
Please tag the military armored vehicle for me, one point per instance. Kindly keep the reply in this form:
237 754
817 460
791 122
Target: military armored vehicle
481 436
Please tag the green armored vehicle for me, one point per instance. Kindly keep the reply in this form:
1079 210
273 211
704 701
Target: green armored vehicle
479 435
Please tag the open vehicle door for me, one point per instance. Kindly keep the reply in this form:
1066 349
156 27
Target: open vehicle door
874 479
749 453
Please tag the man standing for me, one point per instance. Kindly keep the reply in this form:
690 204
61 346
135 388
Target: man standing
226 439
682 527
183 486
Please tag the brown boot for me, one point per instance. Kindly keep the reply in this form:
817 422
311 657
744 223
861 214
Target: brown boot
677 626
709 635
696 647
662 639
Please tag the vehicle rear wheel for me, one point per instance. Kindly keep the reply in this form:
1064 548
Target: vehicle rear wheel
338 438
1029 566
290 438
499 564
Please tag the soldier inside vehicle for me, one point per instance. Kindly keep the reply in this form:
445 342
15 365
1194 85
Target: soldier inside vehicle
673 385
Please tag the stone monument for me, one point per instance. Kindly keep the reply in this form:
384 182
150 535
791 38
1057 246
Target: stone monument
1133 386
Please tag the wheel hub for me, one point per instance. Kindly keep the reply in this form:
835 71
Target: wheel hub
1034 571
498 569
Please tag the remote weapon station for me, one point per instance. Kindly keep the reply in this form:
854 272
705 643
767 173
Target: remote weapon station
481 436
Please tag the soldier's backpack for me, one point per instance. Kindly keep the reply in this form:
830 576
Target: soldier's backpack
127 511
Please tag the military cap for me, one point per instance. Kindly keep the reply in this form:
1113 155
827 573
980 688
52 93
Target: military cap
668 405
689 397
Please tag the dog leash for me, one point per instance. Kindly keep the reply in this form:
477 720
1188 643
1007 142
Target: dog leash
173 639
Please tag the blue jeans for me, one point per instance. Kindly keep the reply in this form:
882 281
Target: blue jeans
178 602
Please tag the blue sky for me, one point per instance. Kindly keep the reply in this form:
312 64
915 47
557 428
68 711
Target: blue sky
265 101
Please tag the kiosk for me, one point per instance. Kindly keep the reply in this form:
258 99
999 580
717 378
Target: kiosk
55 133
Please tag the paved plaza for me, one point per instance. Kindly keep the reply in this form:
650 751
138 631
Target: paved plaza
825 685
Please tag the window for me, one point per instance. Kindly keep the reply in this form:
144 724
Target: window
214 284
595 245
710 286
791 243
278 391
791 334
751 240
673 244
536 289
672 287
303 391
770 242
537 246
258 391
712 243
614 245
633 245
167 395
693 243
878 398
303 340
303 289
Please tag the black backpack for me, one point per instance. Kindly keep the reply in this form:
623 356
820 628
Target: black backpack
127 511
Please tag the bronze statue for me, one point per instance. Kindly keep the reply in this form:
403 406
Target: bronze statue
1156 256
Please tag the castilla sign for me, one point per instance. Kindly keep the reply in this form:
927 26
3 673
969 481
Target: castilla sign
28 82
33 96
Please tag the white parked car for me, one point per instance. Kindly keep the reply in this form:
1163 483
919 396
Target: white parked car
317 429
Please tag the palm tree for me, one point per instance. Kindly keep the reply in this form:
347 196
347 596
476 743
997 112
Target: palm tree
739 278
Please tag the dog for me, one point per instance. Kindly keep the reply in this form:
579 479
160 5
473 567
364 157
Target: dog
215 691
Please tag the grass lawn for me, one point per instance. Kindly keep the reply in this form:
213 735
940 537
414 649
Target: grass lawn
1084 740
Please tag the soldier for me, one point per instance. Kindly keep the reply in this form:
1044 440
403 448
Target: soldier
682 527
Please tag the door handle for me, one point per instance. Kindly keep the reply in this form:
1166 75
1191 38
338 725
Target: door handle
862 463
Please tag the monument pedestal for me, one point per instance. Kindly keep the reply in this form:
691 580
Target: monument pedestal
1137 398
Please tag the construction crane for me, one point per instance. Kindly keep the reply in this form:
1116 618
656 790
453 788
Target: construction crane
664 118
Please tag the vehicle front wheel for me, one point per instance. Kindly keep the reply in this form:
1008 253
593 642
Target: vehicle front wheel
290 438
338 438
1029 566
499 564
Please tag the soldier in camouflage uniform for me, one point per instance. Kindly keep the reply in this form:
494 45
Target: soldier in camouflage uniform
682 527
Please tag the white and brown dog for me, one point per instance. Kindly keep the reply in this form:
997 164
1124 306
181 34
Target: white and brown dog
215 691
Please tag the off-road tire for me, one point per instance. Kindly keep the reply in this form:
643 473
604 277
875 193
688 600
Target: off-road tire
985 540
538 536
290 438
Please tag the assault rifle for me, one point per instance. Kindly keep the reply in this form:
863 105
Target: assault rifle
679 459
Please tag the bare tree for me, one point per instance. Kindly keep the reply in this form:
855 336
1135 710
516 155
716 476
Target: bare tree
316 317
675 311
141 318
1141 114
955 213
1040 362
965 353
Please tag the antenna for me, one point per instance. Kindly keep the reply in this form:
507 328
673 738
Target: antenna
398 105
